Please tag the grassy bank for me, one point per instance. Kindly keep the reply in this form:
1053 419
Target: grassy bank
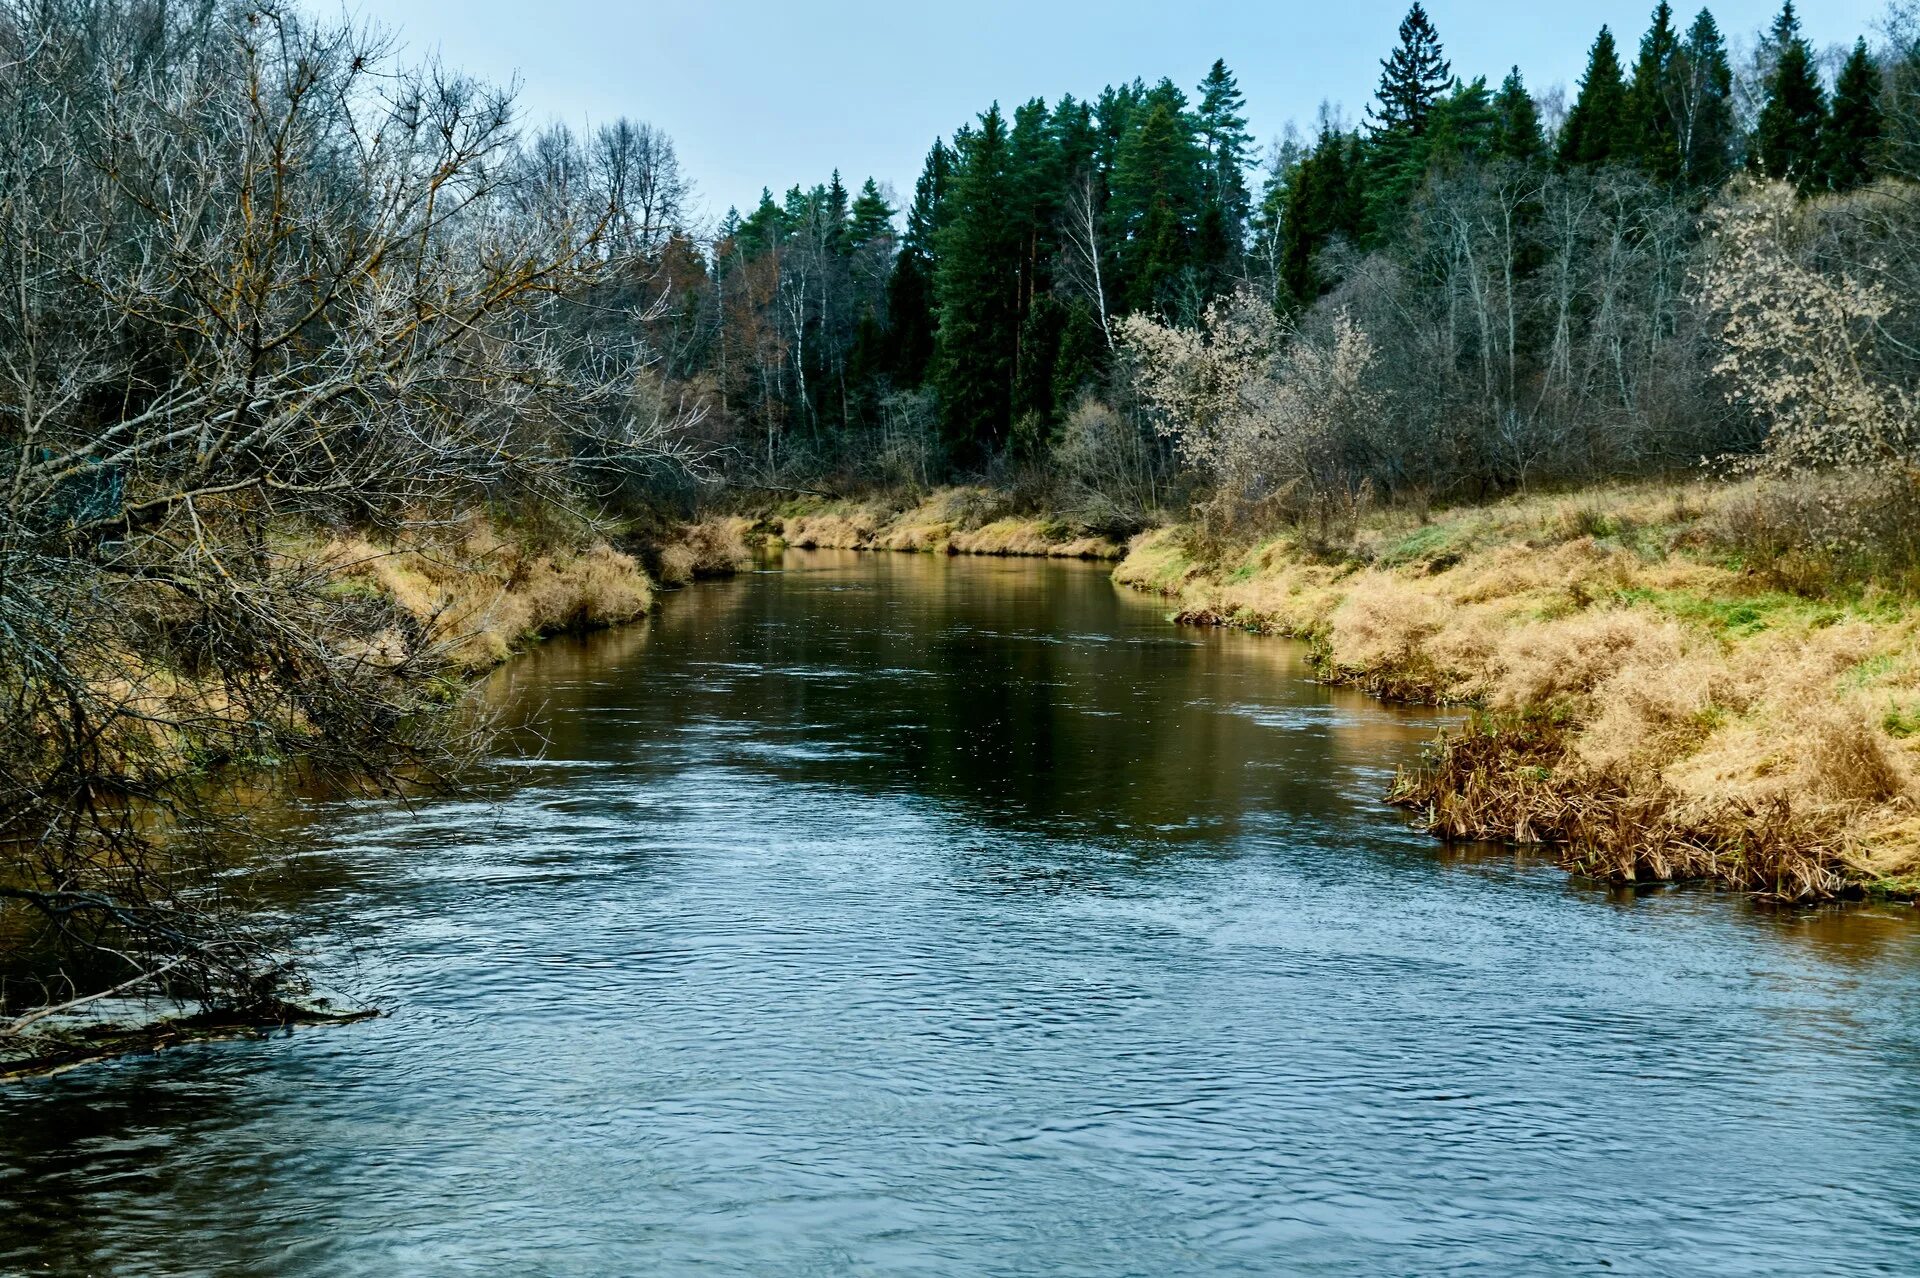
482 591
953 521
1647 699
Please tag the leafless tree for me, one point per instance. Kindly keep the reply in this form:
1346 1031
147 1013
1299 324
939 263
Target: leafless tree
261 280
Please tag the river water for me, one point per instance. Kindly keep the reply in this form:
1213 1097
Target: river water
904 915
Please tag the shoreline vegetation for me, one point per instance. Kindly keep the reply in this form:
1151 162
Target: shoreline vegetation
1643 702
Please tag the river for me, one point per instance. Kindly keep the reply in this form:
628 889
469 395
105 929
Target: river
902 915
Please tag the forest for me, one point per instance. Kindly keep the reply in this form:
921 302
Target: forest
1513 292
281 305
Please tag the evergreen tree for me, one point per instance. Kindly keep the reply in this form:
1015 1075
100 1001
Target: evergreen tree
1519 138
1155 201
977 287
1597 126
1702 77
1321 204
872 217
1464 126
1786 139
1412 78
1225 201
1034 167
1851 143
911 321
836 209
1652 134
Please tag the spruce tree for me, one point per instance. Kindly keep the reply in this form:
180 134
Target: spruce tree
1850 146
1519 138
837 209
872 216
1153 212
1225 200
1652 134
1321 204
977 286
1597 125
1412 79
911 319
1703 84
1786 139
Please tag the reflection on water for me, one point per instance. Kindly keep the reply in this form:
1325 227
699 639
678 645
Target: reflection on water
905 915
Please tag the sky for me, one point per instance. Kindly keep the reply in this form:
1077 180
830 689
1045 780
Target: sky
772 92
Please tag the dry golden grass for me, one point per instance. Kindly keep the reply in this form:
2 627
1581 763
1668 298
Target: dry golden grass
483 597
955 521
1658 713
713 547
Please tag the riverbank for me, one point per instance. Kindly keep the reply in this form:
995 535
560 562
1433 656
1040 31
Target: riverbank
1644 701
952 521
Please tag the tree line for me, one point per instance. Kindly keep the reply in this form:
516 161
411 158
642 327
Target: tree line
1537 258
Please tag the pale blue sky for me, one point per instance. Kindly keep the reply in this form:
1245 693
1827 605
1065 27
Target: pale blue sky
772 92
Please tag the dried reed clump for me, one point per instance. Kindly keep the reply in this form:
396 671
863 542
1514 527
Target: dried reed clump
1509 780
480 597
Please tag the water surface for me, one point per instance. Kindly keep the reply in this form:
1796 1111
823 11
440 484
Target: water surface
898 915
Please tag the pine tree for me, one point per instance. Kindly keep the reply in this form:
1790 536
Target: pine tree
1597 125
1703 83
1652 135
1519 138
1464 126
1851 143
1786 139
977 287
1033 161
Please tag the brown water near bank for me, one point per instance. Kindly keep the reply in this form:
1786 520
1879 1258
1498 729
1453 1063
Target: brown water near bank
912 914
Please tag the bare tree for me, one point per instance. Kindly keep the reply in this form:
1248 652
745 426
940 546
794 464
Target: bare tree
259 280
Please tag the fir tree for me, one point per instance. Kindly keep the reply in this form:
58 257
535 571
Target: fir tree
1702 77
977 285
1519 138
1786 139
1652 135
1597 125
1850 146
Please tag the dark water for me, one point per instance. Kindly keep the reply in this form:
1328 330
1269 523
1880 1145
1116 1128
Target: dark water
903 916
